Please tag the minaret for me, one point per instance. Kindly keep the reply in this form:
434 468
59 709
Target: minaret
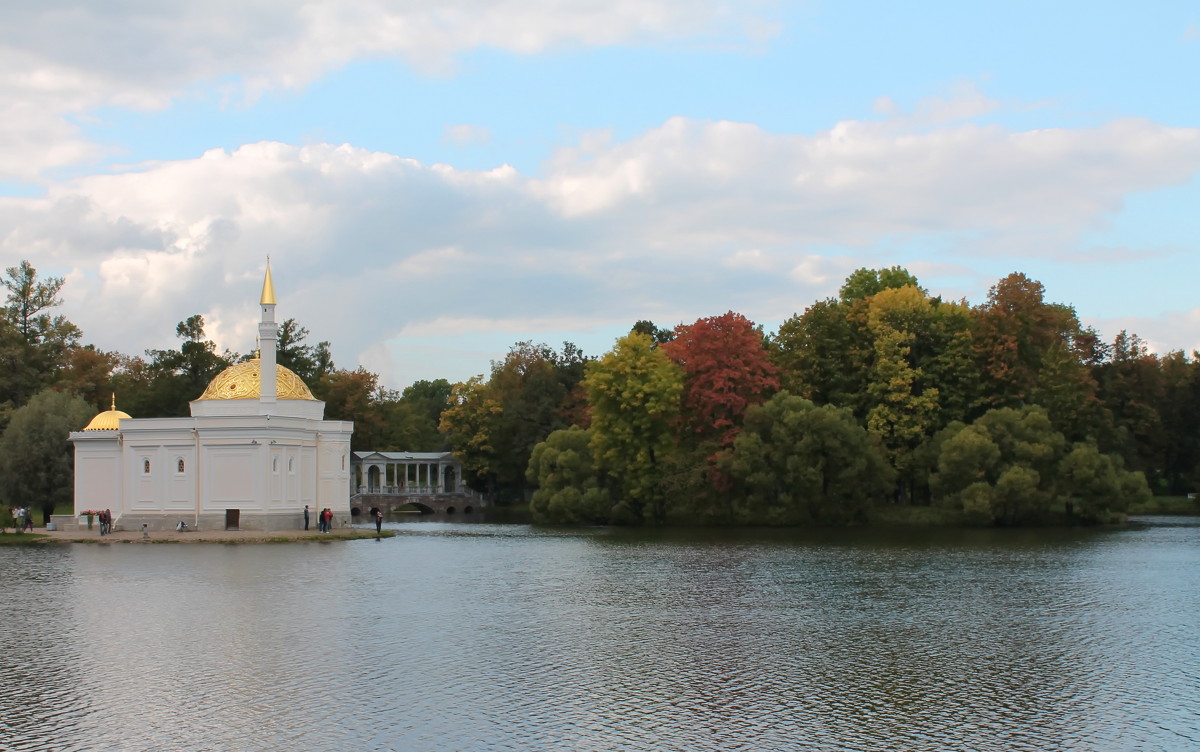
268 335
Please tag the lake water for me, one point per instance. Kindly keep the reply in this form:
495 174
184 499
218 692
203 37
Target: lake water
508 637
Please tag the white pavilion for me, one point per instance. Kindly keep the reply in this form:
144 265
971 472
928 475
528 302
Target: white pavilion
253 454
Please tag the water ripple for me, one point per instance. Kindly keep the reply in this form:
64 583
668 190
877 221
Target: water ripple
473 637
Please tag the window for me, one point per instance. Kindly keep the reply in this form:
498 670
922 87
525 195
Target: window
274 464
145 467
291 464
179 466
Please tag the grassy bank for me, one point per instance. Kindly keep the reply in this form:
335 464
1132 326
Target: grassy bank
907 515
1167 505
20 539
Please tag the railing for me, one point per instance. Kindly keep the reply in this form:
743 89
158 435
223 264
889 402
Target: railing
417 491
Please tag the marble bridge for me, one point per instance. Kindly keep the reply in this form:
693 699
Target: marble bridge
364 503
430 481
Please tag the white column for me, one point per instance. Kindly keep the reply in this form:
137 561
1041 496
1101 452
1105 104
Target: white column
268 335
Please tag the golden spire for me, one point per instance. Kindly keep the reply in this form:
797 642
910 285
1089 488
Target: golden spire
114 401
268 293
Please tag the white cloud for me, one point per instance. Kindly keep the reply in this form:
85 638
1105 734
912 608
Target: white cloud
63 58
465 135
690 219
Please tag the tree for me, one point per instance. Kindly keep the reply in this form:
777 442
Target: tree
33 345
1179 411
569 487
412 420
657 335
1001 468
36 467
28 298
1032 352
88 372
309 362
180 376
799 463
865 283
825 354
726 370
905 407
1096 486
530 393
355 396
634 394
493 426
469 425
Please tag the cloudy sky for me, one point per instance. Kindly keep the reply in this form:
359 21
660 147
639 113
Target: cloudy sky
435 181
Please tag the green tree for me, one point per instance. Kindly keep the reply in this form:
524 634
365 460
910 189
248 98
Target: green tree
634 394
28 298
176 377
469 424
797 463
905 407
1179 411
33 344
570 489
825 354
1095 486
412 420
865 283
1001 468
493 426
36 467
530 393
309 362
657 335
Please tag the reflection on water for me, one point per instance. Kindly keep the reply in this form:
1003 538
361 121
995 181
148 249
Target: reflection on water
472 637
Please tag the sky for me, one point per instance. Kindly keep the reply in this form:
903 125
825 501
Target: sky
435 182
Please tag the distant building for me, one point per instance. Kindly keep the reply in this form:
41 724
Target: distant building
254 452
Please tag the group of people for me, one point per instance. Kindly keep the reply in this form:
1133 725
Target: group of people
106 520
324 519
23 516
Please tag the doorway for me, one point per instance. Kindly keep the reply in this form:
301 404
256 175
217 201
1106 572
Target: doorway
232 517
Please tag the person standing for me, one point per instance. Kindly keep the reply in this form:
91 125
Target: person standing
29 519
305 516
378 521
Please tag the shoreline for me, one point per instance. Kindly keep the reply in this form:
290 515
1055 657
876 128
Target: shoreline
202 536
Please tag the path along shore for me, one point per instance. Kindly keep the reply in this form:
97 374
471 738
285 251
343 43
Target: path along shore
206 536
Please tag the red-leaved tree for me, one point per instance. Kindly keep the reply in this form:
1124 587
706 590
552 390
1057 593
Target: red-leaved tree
726 370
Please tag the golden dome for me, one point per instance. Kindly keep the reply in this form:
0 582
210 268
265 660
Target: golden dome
241 382
109 420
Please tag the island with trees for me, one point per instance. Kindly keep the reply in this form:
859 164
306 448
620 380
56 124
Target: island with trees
1007 412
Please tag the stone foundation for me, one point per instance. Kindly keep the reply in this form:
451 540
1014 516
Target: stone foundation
158 523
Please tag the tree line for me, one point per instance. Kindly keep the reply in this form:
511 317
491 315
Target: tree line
1009 411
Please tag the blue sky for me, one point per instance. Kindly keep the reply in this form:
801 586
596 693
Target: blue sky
436 184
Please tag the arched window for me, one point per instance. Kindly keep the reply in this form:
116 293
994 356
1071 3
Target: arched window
179 466
343 462
274 464
145 467
291 464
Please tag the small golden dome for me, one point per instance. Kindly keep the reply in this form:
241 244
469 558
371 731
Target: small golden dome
109 420
241 382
